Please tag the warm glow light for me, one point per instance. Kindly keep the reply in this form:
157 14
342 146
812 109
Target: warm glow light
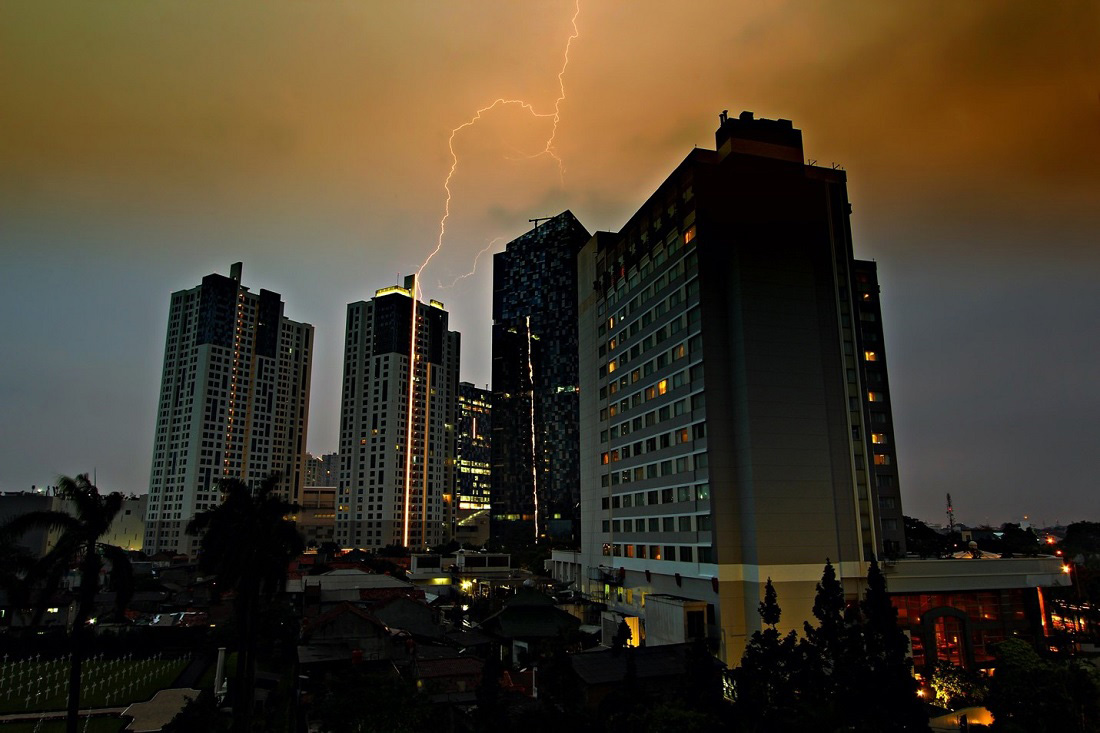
1065 568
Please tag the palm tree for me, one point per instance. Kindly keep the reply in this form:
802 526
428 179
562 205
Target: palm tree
78 545
248 542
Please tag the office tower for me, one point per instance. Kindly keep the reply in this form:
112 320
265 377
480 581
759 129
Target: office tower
323 470
234 403
397 425
474 463
535 486
723 378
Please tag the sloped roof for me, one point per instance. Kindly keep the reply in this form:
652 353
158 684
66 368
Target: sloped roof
607 665
328 617
448 667
530 622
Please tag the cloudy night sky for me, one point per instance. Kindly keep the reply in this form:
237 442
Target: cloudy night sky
145 145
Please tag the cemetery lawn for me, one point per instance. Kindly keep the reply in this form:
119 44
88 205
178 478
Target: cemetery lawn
105 683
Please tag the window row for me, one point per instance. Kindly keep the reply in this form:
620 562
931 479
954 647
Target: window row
653 497
673 553
683 523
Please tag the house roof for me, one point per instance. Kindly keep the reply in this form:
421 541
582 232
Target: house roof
608 665
448 667
530 622
344 608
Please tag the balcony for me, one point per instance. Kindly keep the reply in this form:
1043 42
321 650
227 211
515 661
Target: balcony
607 575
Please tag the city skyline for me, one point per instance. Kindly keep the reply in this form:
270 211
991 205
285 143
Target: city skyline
968 135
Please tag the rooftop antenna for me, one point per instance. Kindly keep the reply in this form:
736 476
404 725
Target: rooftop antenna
537 219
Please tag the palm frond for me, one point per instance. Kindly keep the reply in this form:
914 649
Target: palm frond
44 520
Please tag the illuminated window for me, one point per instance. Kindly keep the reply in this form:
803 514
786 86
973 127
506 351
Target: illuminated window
870 356
651 392
882 460
875 397
604 459
879 438
689 235
611 366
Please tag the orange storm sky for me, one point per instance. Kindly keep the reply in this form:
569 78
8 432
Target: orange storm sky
146 144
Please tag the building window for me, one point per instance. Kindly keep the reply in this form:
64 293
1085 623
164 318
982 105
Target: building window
876 397
870 356
882 460
879 438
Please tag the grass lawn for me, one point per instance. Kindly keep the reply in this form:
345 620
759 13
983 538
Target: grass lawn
33 686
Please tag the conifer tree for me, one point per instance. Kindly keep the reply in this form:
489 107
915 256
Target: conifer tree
767 695
889 671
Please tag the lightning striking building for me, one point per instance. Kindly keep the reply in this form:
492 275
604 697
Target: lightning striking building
735 420
397 425
535 479
234 403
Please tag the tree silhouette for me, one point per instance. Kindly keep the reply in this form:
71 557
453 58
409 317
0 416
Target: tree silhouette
248 542
79 545
889 671
766 680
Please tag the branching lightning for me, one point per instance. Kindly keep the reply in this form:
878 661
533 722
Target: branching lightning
473 269
548 149
416 293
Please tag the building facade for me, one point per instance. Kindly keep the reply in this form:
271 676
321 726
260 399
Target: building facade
397 426
723 416
234 403
535 473
474 454
323 470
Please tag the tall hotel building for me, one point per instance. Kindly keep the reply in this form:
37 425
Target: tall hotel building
735 420
234 403
397 424
535 479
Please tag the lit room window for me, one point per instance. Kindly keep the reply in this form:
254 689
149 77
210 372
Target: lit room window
879 438
882 460
875 397
870 356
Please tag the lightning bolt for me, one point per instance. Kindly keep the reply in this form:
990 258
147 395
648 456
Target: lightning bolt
484 249
548 149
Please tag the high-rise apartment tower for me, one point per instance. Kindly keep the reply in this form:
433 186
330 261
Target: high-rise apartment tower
397 423
234 403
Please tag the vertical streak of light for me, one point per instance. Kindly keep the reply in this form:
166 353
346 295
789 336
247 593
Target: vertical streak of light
409 414
534 454
424 466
